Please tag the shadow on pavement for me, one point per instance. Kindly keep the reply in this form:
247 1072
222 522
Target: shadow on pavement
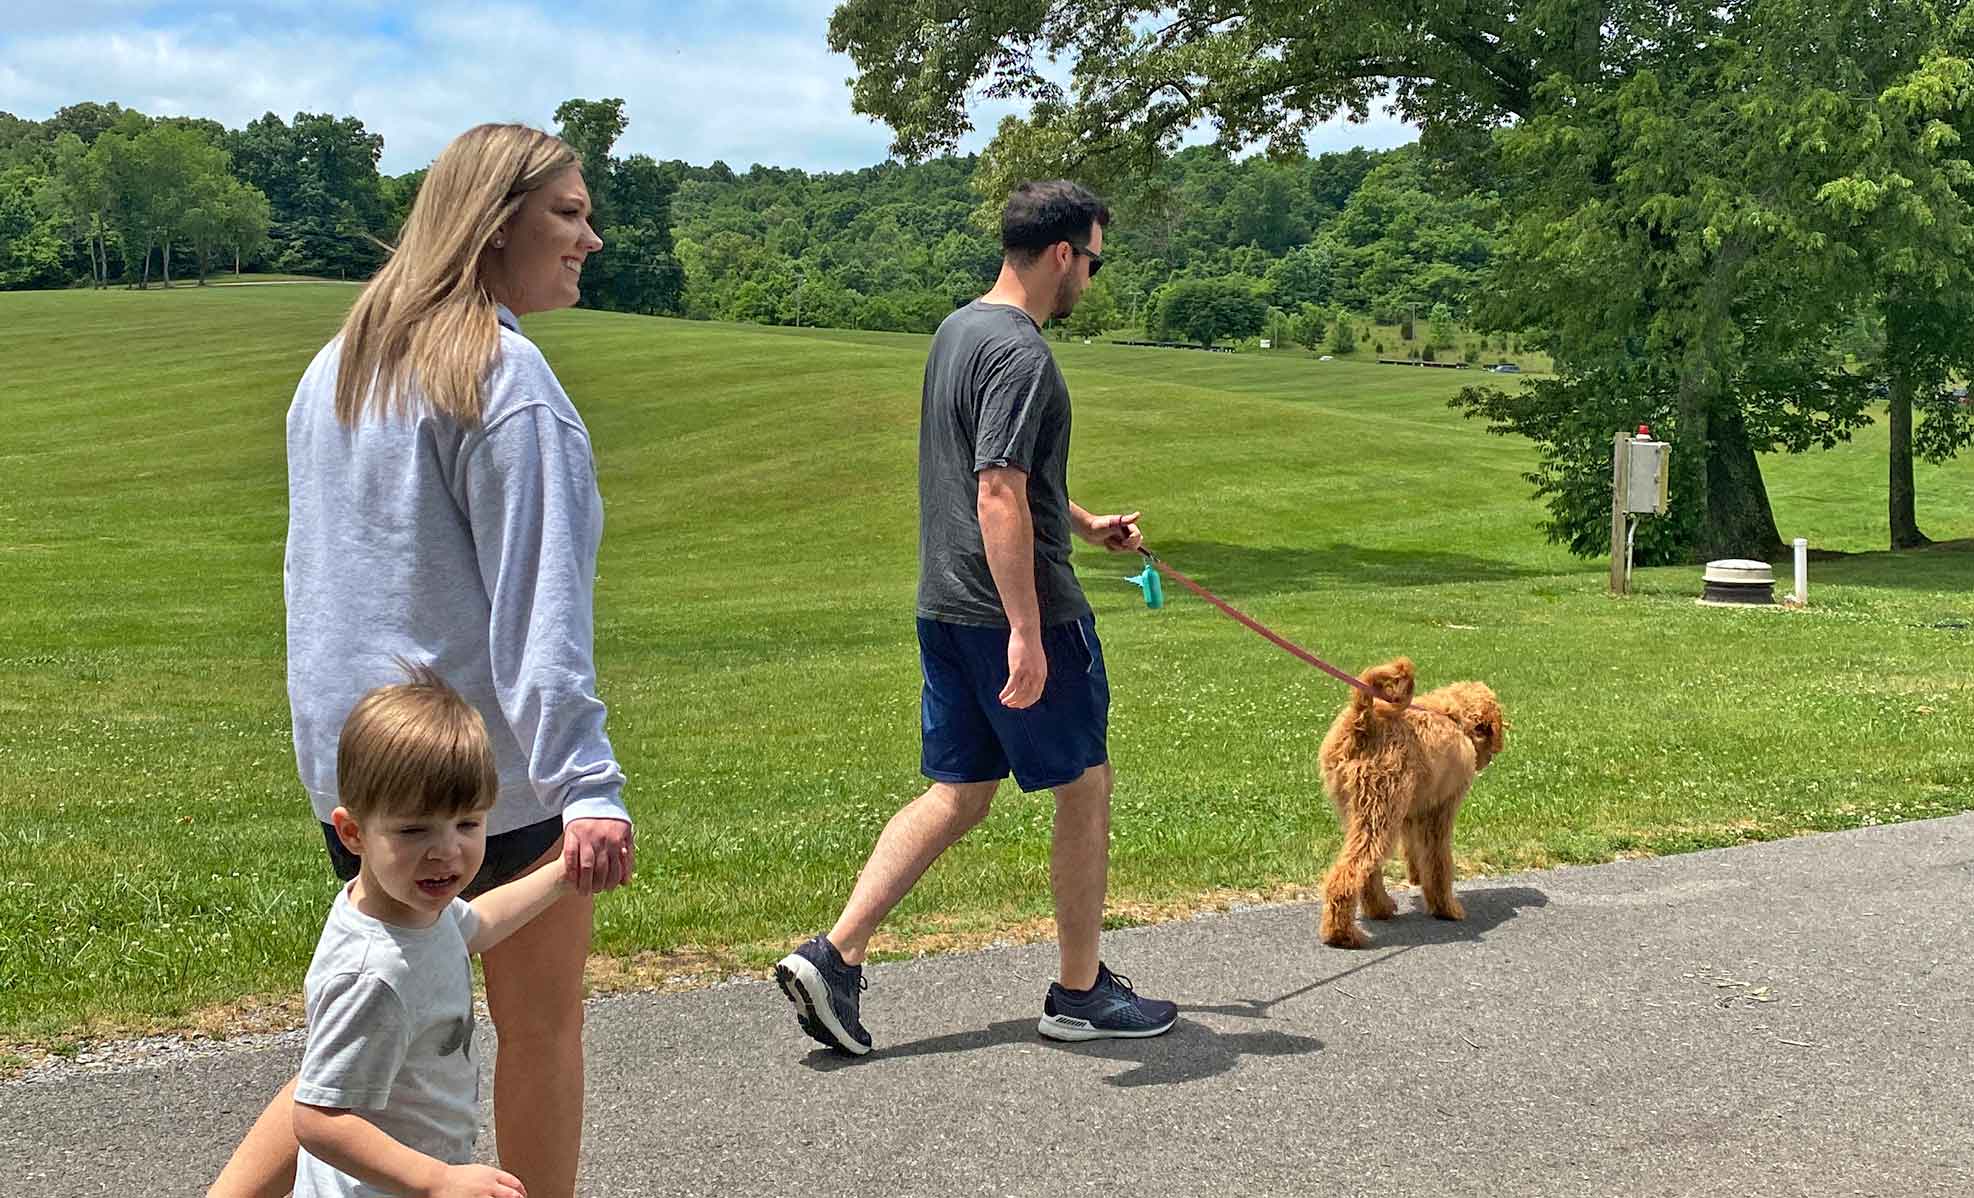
1190 1052
1487 909
1193 1051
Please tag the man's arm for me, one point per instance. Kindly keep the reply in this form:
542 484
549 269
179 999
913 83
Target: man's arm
356 1147
1008 532
506 909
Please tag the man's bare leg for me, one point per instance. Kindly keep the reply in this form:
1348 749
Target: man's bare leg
1079 871
910 843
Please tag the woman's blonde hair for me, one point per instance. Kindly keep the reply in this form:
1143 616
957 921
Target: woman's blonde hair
427 317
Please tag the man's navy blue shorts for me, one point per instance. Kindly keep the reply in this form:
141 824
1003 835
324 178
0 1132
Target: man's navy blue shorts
971 737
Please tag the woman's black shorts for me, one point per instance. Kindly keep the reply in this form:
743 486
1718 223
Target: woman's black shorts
508 855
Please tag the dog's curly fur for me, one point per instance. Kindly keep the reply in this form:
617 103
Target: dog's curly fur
1397 770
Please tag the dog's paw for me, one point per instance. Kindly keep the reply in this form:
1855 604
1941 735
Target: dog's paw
1379 907
1451 909
1345 937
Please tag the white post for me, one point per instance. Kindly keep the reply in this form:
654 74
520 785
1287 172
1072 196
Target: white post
1802 570
1620 571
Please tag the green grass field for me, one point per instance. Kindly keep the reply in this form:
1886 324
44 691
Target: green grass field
157 858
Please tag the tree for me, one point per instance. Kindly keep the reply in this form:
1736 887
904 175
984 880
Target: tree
32 248
265 156
1343 338
185 176
1413 233
397 194
592 127
87 120
1205 310
225 213
78 188
1301 276
1312 326
1641 133
820 303
145 174
1440 331
631 208
877 312
1907 187
1095 313
636 273
754 303
328 213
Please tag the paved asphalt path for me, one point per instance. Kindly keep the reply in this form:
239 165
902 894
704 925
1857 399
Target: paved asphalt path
1788 1018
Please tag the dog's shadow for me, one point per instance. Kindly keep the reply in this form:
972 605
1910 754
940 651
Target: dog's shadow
1487 909
1190 1052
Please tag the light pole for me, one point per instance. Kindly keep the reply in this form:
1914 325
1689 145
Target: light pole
798 299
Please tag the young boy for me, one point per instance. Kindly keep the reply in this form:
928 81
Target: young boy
388 1101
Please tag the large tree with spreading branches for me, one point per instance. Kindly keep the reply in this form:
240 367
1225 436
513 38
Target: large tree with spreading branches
1667 165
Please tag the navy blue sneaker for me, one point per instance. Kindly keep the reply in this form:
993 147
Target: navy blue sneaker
1108 1009
826 994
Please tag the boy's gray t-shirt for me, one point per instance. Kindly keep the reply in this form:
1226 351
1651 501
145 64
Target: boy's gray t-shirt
390 1037
993 397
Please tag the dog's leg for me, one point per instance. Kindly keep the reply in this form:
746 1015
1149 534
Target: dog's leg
1414 854
1366 842
1436 863
1377 902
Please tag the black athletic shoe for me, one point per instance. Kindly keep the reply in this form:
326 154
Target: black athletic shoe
1108 1009
826 994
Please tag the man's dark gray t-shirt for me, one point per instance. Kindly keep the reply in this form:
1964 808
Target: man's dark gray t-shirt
993 397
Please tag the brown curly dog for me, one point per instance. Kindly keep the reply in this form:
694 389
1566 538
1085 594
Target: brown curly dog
1400 767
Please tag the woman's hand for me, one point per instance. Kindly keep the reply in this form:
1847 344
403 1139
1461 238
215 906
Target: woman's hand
596 854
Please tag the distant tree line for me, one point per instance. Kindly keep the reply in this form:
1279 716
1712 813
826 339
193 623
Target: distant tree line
104 194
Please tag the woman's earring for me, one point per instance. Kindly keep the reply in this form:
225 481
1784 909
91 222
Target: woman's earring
500 243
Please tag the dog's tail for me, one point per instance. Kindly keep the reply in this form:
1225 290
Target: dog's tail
1393 682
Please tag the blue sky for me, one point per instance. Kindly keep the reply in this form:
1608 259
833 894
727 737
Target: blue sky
701 79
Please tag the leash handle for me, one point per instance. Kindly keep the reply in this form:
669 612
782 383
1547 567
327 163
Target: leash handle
1257 626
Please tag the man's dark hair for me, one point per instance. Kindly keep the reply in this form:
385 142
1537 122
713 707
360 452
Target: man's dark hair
1040 214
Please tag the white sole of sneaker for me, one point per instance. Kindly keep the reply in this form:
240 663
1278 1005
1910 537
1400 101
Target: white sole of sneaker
1059 1027
803 983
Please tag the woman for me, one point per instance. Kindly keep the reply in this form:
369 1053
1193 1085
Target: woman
443 509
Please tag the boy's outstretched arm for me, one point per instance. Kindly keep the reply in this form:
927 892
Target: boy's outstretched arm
506 909
353 1145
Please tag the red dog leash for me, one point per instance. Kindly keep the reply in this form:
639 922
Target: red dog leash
1283 642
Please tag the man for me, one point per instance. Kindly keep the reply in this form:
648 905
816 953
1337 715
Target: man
1014 675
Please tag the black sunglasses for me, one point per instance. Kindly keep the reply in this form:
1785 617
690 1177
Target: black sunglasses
1096 259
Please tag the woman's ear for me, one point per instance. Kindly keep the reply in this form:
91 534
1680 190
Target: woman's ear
347 830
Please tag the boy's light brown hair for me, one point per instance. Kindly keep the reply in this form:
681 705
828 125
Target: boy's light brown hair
415 749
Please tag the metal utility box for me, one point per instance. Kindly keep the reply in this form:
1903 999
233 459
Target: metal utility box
1646 470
